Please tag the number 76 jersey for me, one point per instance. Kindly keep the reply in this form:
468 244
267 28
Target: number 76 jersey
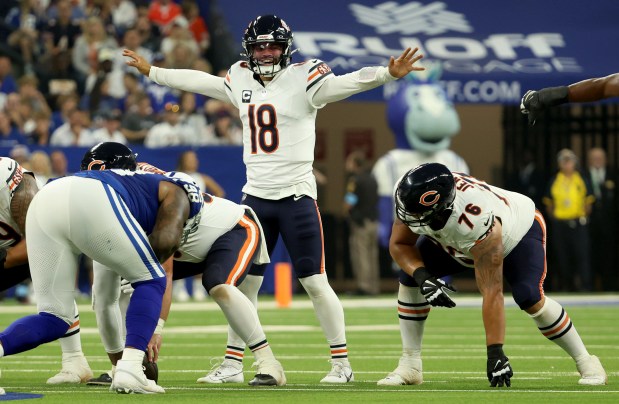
279 131
475 208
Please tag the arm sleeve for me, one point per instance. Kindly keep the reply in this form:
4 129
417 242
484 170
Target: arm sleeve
337 88
190 80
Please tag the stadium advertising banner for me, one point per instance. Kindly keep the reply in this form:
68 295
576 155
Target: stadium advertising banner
490 51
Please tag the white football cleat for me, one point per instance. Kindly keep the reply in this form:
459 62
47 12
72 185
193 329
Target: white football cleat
129 378
270 373
75 370
341 372
591 371
409 371
228 371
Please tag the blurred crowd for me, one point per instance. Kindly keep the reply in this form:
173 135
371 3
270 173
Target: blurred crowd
64 81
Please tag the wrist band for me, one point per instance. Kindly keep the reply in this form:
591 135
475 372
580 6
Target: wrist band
159 327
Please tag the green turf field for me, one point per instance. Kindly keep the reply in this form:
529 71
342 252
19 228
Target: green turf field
454 356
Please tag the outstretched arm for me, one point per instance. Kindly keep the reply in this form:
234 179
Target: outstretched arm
595 89
193 81
367 78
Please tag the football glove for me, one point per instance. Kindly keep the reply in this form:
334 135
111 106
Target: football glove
498 369
534 102
433 289
125 287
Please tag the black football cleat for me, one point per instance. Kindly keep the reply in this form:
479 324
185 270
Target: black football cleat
104 380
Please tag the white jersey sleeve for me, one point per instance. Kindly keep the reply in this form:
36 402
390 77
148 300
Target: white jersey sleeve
340 87
194 81
11 175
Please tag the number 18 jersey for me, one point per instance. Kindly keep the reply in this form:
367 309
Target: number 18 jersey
279 131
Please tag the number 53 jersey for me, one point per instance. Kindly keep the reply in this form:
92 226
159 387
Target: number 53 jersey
475 208
279 131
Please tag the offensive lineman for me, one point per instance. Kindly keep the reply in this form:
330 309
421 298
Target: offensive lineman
221 245
448 222
277 103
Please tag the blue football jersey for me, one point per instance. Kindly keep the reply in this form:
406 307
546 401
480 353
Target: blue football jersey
140 191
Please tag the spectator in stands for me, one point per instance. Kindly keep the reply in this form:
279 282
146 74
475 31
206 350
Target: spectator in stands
603 224
138 119
59 164
132 40
124 15
170 132
69 133
227 128
149 34
197 26
190 116
21 154
361 207
41 132
58 37
8 84
29 92
179 47
9 133
133 88
163 12
568 204
65 104
160 96
99 97
23 20
41 166
86 49
108 132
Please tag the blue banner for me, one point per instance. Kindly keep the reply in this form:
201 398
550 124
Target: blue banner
491 51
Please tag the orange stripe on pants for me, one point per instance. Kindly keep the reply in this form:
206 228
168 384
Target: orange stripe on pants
247 251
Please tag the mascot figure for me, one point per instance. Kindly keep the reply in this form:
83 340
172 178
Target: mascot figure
423 121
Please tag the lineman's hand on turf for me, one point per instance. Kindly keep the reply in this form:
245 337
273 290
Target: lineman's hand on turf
498 369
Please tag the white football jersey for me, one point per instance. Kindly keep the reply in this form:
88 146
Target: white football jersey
11 174
279 131
476 206
217 217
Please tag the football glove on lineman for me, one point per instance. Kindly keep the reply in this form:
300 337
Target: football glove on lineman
534 102
125 286
433 289
498 369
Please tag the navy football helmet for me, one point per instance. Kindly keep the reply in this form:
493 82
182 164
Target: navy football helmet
425 196
108 155
268 29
